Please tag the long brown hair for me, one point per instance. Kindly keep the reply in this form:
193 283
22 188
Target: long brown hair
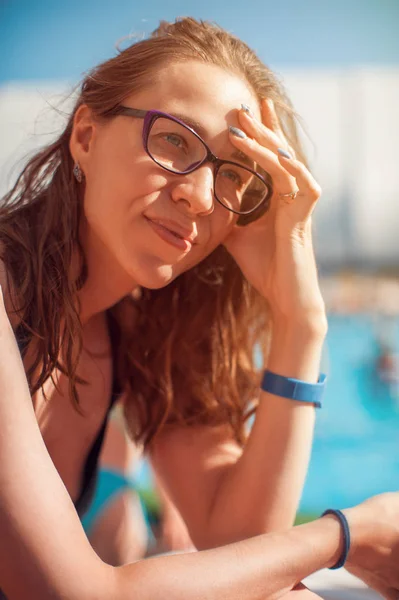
185 353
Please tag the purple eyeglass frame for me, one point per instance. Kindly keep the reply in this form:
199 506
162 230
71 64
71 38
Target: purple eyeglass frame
150 116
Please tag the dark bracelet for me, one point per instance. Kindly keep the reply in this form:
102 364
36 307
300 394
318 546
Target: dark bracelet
347 537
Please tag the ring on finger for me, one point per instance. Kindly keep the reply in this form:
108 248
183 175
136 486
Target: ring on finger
290 195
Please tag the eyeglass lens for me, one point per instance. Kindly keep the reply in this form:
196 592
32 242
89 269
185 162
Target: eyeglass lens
176 148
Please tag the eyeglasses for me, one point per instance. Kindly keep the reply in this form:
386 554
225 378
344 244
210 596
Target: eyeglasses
177 148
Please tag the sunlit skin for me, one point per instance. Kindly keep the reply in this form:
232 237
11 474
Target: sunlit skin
124 191
225 492
124 187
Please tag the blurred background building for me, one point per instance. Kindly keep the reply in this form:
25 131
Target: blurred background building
340 64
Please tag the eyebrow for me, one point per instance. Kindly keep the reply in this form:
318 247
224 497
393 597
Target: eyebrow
198 128
203 132
238 155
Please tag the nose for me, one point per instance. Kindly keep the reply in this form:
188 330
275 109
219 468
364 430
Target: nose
194 192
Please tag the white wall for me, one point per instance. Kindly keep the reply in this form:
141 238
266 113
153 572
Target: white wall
353 119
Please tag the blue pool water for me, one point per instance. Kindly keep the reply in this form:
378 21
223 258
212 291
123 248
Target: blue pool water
356 446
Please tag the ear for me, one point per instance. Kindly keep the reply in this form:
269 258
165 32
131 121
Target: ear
83 130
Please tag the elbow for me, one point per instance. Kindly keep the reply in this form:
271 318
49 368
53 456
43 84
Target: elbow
98 583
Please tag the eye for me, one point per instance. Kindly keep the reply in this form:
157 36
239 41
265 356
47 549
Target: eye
175 139
233 176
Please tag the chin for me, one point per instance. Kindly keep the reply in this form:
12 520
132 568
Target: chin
158 277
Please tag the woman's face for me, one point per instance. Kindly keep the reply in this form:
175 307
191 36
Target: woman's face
132 205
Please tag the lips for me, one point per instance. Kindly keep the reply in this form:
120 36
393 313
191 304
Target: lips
174 233
178 230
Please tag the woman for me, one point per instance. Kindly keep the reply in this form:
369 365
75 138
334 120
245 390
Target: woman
136 263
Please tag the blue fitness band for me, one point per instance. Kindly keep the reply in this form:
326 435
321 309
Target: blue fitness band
294 389
347 536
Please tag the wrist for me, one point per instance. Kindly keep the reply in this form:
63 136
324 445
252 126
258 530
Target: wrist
293 388
360 532
345 538
312 326
295 353
339 545
321 539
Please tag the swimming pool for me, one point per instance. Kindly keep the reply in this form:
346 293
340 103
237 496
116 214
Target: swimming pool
356 447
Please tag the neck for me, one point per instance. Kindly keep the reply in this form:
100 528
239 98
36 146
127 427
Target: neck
106 283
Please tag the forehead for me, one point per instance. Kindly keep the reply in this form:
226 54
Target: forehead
204 93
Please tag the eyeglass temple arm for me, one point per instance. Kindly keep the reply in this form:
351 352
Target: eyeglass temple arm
126 110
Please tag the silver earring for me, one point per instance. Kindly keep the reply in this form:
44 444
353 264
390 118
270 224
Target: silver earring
77 171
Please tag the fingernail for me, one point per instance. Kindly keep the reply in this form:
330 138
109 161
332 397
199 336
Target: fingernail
247 110
283 153
237 132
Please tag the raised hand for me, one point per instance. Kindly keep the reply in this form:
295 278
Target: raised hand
275 253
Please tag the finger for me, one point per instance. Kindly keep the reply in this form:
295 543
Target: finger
269 116
304 179
262 134
271 120
374 582
289 175
266 159
387 593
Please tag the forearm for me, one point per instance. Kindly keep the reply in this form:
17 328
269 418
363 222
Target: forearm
261 491
261 568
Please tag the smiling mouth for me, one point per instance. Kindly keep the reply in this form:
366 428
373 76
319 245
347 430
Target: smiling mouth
170 236
180 237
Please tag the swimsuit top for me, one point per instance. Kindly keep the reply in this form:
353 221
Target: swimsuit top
90 468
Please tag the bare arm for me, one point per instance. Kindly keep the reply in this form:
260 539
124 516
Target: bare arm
261 568
44 553
261 493
225 493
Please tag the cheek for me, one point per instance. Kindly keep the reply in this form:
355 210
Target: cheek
221 224
110 169
118 182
